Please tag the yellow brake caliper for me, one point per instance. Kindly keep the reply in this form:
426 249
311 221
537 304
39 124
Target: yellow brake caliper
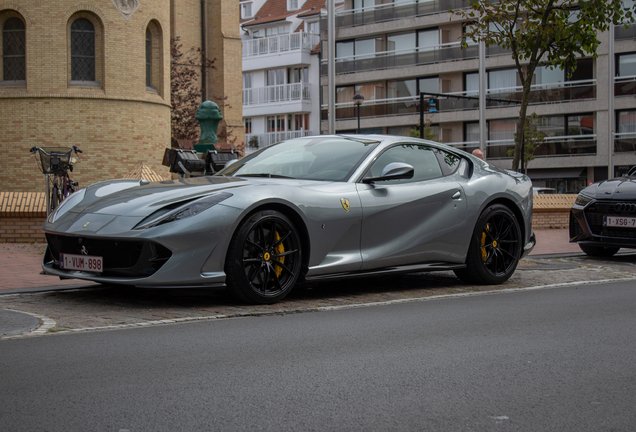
279 250
484 254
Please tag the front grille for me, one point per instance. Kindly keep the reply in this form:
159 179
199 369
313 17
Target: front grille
594 216
129 258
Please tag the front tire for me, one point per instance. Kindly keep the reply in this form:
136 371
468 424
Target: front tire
495 248
264 258
598 251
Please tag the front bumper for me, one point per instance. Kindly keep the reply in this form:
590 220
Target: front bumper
586 226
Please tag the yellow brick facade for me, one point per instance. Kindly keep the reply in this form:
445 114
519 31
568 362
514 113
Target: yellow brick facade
117 121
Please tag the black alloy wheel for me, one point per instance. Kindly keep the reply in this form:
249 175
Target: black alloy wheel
264 258
495 247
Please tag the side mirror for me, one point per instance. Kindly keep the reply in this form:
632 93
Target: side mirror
393 171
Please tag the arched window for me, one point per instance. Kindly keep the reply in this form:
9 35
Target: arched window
14 50
148 58
82 50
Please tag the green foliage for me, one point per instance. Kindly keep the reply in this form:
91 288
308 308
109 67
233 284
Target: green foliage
428 130
548 32
533 138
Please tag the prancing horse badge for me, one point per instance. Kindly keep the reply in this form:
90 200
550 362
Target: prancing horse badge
345 203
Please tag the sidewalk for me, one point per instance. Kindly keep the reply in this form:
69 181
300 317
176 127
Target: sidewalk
21 262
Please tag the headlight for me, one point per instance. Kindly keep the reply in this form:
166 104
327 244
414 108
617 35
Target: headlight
583 200
70 202
182 211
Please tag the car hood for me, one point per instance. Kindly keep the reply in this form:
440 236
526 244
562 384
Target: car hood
617 189
139 198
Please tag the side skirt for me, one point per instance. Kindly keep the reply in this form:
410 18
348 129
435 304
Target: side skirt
416 268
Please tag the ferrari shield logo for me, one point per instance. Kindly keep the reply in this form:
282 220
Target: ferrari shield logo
345 204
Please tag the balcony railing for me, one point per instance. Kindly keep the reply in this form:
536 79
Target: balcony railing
280 44
625 142
409 57
572 145
625 86
539 94
622 33
255 141
277 93
395 11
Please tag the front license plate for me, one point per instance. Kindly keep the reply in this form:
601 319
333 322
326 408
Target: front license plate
624 222
82 262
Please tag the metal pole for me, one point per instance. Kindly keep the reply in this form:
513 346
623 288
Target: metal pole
610 105
48 195
358 119
204 71
482 98
331 66
421 115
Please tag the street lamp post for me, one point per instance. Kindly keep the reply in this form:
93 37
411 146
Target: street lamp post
358 99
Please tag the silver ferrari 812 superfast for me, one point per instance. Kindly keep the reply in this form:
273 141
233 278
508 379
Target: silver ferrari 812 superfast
312 208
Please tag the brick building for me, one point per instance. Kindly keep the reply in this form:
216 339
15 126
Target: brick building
96 74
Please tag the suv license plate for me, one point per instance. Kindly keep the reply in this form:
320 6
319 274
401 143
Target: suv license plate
82 262
624 222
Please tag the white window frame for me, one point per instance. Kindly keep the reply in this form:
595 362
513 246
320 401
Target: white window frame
246 10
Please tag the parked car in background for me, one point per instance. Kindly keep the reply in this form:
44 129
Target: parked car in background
603 218
543 190
312 208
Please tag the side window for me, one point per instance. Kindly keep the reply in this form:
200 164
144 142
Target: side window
423 159
82 50
448 161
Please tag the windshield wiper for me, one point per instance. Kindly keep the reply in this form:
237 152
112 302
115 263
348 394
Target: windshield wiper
266 175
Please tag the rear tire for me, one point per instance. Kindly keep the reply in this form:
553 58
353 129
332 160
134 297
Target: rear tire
55 200
495 248
598 251
264 258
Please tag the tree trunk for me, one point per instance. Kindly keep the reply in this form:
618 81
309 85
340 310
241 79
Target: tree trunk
521 123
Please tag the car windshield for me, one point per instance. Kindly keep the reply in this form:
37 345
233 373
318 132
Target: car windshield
311 158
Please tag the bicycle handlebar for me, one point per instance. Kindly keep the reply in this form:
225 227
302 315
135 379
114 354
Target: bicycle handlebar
77 149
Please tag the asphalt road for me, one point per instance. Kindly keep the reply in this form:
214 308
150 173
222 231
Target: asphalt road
554 359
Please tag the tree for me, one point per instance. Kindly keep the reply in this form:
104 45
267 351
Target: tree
533 139
428 130
549 32
185 89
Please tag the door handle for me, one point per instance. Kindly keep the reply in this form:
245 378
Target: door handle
457 195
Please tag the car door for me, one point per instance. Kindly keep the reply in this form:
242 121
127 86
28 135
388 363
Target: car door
414 220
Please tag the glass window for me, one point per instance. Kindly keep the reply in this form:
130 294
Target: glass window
398 89
427 40
365 48
501 130
548 75
314 27
247 80
471 83
344 49
403 43
429 85
248 125
293 5
344 94
626 121
422 158
580 125
82 50
358 4
471 132
276 76
148 58
626 65
14 50
505 79
246 10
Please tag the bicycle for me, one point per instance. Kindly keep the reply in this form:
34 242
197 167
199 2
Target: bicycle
56 163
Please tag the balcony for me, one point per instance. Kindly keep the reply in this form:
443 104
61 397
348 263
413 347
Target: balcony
267 139
622 33
394 11
539 94
409 57
279 99
625 86
572 145
278 51
625 142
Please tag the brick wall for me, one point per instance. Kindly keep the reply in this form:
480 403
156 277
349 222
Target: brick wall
551 211
21 217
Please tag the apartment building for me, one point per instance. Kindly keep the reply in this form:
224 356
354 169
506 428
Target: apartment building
390 52
281 70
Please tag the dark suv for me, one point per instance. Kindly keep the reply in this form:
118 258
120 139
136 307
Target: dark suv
603 218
